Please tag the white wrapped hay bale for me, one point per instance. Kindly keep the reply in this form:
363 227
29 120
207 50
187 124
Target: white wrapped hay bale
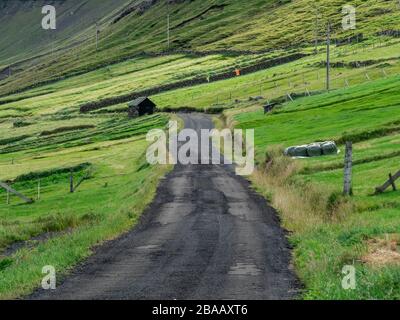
329 147
290 151
314 150
300 151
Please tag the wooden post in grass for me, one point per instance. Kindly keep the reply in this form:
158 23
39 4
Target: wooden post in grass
328 58
348 164
71 182
387 184
8 197
391 180
38 190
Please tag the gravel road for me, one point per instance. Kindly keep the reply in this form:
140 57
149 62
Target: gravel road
206 235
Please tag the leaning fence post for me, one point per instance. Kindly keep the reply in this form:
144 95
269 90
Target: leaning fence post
71 182
391 180
348 163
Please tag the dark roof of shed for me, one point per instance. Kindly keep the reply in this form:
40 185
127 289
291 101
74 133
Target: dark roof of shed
137 101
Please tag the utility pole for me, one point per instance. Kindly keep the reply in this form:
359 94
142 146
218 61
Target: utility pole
316 30
97 36
51 40
168 27
168 30
328 62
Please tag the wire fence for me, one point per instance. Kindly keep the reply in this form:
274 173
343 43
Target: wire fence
38 188
306 80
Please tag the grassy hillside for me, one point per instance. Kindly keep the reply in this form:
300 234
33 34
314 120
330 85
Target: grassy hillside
329 230
133 75
204 26
351 63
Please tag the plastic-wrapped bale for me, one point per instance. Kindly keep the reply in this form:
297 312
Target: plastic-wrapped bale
300 151
291 151
314 150
329 147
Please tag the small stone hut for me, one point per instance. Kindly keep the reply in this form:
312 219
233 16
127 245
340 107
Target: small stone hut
141 106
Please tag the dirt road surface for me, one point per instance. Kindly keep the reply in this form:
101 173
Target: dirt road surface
206 235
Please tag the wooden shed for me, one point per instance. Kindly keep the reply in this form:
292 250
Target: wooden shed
140 107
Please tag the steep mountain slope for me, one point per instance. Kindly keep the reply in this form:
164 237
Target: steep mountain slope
22 32
196 25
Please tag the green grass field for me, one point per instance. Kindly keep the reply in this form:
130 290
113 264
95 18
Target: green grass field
43 136
119 186
361 236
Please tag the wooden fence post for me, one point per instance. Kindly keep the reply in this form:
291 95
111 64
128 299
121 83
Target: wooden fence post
8 197
388 183
71 182
38 190
392 182
348 164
